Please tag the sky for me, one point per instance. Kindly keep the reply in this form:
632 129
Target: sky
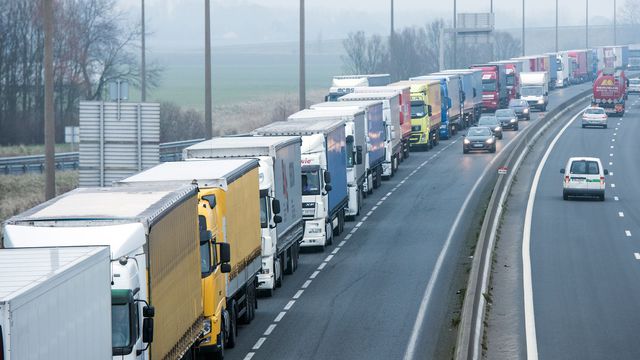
178 24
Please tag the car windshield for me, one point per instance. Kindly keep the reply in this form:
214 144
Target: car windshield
594 111
311 182
585 167
505 113
120 329
634 81
479 131
531 91
417 109
517 102
487 120
488 85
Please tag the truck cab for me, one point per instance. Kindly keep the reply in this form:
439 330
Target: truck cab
494 87
426 110
535 89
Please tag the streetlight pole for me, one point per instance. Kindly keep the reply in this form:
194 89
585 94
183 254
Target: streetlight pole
523 34
557 27
208 121
49 121
615 29
391 39
143 65
302 97
587 23
455 34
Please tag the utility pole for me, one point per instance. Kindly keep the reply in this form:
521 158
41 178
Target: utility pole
523 49
615 28
556 26
143 65
587 24
208 121
455 35
302 96
391 38
49 120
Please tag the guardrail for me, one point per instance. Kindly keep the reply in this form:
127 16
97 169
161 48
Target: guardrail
170 151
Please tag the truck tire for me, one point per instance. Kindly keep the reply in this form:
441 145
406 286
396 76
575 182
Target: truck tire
233 326
219 355
277 269
250 299
296 256
288 269
341 221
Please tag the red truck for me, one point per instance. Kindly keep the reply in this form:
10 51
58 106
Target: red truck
581 67
513 68
610 91
495 94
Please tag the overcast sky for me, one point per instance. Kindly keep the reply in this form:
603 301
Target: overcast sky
178 24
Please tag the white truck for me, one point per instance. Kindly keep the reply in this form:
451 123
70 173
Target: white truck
564 70
535 89
324 174
344 84
281 221
391 115
55 303
155 261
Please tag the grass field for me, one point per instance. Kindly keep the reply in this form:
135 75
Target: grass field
23 150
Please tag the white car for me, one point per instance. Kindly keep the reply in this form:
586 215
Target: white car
594 116
583 176
634 86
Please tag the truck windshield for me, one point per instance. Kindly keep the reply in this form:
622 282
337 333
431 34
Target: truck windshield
511 80
489 85
120 329
531 91
417 109
311 182
264 216
559 66
350 152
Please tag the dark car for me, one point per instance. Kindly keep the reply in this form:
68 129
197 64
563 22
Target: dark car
492 123
521 107
507 118
479 138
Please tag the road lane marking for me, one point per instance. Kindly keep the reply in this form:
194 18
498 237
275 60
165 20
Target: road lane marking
358 225
306 284
298 294
613 185
322 266
627 233
379 203
616 198
610 163
527 281
637 255
328 258
280 316
347 237
611 173
343 242
270 329
620 213
369 213
335 250
610 154
613 140
289 305
373 208
612 146
315 273
364 218
249 356
259 343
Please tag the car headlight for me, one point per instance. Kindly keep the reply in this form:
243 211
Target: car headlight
466 141
513 120
541 101
489 141
525 111
497 128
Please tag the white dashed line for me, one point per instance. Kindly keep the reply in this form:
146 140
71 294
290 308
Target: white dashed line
343 242
637 255
402 182
347 237
620 213
613 140
370 212
613 185
269 330
614 134
612 146
379 203
373 208
298 294
384 198
388 194
249 356
610 154
353 230
610 163
364 218
289 305
280 316
335 250
315 273
322 266
627 233
611 173
306 284
616 198
328 258
358 225
259 343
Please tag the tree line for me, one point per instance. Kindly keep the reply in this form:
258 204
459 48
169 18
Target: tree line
93 44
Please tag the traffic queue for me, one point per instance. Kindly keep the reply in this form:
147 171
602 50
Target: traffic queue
192 244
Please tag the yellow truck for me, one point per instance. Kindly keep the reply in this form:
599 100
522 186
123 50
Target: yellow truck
426 110
228 213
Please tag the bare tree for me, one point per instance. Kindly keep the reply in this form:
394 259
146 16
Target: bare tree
506 46
364 56
630 15
177 124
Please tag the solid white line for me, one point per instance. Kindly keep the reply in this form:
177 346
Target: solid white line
335 250
249 356
270 329
328 258
620 213
315 273
322 266
259 343
343 242
280 316
298 294
289 305
637 255
529 314
347 237
616 198
306 284
627 233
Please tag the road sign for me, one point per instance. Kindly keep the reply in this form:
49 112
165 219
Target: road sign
502 170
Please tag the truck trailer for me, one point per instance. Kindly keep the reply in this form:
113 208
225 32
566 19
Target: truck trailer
324 174
280 196
155 259
55 303
472 88
610 91
344 84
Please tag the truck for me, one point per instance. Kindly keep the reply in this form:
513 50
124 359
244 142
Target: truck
281 223
564 73
393 132
324 174
344 84
535 89
226 218
551 66
59 296
375 129
453 101
610 91
613 57
426 113
634 57
494 86
472 88
405 110
513 68
153 241
581 69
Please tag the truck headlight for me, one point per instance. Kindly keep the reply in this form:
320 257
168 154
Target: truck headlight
540 102
206 326
525 111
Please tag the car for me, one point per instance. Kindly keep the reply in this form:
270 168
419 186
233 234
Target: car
521 107
490 121
479 138
584 176
507 118
634 86
594 116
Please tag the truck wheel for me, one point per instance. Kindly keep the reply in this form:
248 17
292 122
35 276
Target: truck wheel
340 222
288 269
220 354
277 273
330 233
233 326
296 255
250 304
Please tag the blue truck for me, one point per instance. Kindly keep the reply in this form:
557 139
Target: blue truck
324 173
472 90
451 86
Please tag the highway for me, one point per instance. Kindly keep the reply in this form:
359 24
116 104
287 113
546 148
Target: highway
385 289
585 254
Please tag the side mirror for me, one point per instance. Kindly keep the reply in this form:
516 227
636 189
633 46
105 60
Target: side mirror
327 177
546 93
429 112
211 199
147 330
225 253
225 268
350 138
561 171
475 93
277 219
606 172
275 206
148 312
328 187
358 155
